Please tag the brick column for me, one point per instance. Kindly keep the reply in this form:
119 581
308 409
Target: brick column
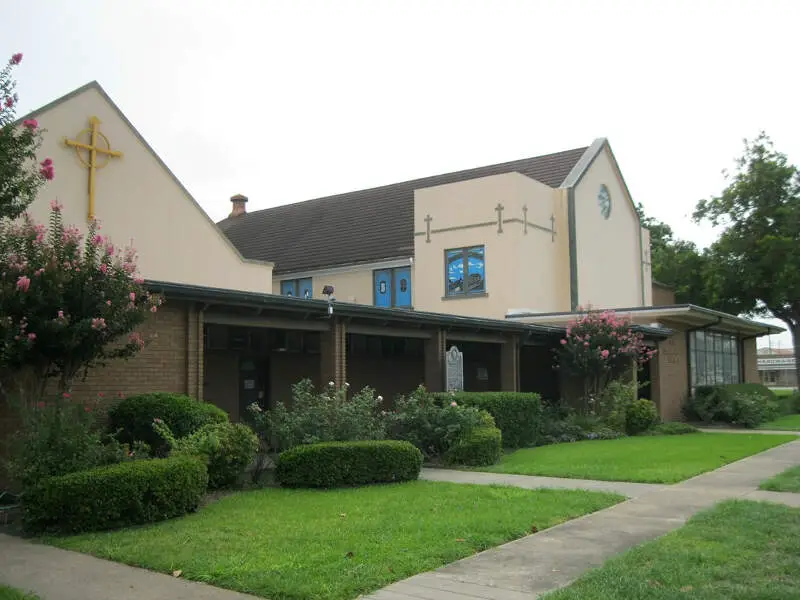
435 348
509 365
333 349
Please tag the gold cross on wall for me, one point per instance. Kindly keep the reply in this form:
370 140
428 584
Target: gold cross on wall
93 149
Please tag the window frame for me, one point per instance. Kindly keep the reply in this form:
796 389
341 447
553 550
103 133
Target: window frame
719 353
466 293
296 284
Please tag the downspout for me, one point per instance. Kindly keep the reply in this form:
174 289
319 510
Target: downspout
641 263
573 250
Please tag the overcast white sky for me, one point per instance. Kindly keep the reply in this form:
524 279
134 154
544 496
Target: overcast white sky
285 101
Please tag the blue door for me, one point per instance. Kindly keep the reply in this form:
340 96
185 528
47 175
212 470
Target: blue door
402 287
383 288
287 288
305 289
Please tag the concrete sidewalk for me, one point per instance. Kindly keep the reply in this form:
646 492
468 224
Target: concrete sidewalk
539 563
56 574
532 482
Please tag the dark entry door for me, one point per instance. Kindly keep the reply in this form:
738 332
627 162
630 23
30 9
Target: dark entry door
253 382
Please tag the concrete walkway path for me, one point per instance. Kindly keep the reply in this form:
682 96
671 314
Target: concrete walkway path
56 574
531 482
539 563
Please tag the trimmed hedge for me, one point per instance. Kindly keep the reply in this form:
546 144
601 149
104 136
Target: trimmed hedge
747 404
479 448
129 493
671 428
335 464
133 417
518 415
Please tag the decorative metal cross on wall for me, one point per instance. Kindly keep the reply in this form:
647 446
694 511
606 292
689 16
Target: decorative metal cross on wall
499 210
428 220
93 150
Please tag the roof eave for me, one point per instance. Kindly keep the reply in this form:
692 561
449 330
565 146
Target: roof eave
229 297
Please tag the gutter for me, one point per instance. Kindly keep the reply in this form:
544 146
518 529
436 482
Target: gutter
321 307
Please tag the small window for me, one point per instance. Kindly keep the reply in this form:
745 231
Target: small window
465 270
297 288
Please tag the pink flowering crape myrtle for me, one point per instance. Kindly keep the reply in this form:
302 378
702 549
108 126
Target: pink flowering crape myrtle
66 304
599 347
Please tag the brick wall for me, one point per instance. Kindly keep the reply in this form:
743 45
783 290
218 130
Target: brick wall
161 366
750 361
663 295
669 374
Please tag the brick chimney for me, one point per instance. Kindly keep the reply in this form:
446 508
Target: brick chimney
238 202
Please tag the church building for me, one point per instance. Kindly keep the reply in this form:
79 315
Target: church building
373 287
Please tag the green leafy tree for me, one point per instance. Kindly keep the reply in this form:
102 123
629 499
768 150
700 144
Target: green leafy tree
755 263
677 263
65 306
20 175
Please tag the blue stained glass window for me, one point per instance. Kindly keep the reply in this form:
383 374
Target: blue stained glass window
466 271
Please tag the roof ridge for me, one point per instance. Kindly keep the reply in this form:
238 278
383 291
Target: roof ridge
408 181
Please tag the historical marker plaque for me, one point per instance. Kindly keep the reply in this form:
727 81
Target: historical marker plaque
454 361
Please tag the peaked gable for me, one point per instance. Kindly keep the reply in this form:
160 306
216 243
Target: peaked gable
138 198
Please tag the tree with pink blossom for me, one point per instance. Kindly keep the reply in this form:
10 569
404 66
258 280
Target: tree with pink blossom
599 347
21 175
66 304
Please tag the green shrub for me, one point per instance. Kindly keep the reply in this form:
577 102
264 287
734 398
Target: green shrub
133 417
432 427
789 403
640 416
671 428
615 400
114 496
334 464
328 416
56 438
480 447
228 449
747 404
518 415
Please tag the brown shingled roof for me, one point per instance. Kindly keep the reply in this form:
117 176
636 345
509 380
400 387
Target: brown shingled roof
362 226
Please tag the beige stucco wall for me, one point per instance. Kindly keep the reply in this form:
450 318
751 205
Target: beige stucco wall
523 270
609 254
349 286
137 199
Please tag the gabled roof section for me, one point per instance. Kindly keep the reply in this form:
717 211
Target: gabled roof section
582 166
94 85
366 225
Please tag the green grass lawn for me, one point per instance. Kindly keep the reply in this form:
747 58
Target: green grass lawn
787 423
9 593
298 544
649 459
788 481
735 551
